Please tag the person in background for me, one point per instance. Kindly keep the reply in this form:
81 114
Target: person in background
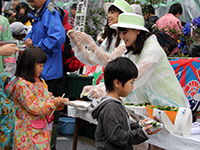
19 30
48 33
7 63
70 62
23 11
10 14
113 130
5 32
32 101
150 17
169 22
73 11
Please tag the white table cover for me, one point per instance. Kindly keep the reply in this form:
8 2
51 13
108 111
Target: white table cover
162 139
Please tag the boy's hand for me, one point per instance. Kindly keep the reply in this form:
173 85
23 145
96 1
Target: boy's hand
147 129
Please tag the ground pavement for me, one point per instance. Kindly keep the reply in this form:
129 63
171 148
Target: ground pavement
65 142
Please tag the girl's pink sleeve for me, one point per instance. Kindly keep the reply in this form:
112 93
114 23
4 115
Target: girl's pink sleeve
36 105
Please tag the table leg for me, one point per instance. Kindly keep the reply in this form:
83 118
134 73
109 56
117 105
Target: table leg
75 137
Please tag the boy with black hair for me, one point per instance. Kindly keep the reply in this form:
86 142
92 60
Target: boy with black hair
113 131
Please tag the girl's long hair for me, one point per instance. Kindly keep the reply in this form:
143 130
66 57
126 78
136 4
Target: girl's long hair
110 31
27 61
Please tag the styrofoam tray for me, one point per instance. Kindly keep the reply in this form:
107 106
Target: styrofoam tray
138 109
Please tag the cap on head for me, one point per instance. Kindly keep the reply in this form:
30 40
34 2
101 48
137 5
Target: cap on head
18 28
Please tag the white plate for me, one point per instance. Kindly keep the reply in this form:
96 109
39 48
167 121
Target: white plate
82 105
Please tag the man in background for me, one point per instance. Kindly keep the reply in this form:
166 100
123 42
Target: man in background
171 24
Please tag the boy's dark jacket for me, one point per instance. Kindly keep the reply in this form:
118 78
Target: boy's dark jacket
113 131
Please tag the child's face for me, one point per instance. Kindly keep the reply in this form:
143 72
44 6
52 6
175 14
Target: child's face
38 69
125 90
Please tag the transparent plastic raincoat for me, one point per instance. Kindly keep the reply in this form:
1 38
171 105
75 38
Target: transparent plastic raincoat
156 83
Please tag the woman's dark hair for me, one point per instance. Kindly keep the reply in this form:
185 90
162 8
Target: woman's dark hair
26 17
139 43
122 69
22 5
175 8
27 61
110 31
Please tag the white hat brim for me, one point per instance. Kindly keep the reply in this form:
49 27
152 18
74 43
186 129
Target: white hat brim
130 26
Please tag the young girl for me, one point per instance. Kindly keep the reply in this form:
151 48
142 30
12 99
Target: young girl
32 101
112 43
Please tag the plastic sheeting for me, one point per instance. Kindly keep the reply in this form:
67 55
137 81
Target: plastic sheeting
191 8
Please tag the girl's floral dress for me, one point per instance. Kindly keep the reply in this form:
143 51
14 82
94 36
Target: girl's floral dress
32 103
7 116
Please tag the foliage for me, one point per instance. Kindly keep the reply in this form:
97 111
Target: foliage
95 22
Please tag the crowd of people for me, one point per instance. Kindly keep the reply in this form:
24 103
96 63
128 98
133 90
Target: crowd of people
31 81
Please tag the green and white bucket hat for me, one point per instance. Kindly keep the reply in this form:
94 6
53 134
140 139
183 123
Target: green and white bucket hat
120 4
131 21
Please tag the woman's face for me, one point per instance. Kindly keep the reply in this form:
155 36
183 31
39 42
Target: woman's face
112 17
129 36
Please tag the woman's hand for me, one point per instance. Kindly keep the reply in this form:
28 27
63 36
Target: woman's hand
8 49
72 36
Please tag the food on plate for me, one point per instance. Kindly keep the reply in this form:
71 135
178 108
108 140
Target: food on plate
155 124
140 104
166 108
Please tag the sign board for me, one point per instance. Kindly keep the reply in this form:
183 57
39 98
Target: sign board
80 17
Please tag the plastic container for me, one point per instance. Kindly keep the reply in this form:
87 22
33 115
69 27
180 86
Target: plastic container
66 125
170 114
74 84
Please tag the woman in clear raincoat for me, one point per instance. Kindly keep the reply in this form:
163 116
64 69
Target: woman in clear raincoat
157 82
